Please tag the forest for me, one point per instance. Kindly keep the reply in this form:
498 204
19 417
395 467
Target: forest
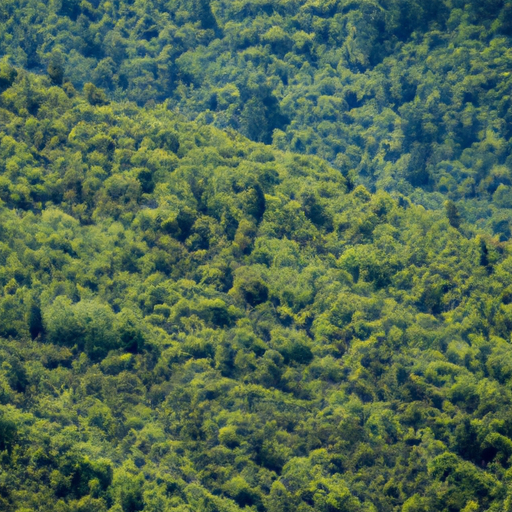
403 95
255 256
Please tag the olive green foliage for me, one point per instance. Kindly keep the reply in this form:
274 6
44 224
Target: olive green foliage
192 321
404 96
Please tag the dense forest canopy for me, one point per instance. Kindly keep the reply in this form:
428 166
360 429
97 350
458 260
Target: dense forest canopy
255 256
193 321
402 95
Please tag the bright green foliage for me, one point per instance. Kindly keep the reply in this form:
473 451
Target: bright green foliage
192 321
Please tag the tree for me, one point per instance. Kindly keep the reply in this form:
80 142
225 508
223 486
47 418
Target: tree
35 321
253 120
8 75
94 95
279 499
56 68
452 213
8 433
202 9
88 325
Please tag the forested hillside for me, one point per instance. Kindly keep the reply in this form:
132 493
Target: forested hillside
195 322
255 256
402 95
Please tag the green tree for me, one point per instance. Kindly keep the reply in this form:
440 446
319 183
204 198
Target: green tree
56 68
94 95
452 213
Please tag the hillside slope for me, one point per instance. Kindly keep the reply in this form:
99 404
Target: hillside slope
193 321
409 96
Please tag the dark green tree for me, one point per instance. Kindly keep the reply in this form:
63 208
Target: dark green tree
56 68
452 212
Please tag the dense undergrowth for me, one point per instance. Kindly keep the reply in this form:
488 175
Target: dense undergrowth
195 322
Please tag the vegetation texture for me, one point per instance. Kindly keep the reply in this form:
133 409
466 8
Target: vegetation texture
409 96
191 320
